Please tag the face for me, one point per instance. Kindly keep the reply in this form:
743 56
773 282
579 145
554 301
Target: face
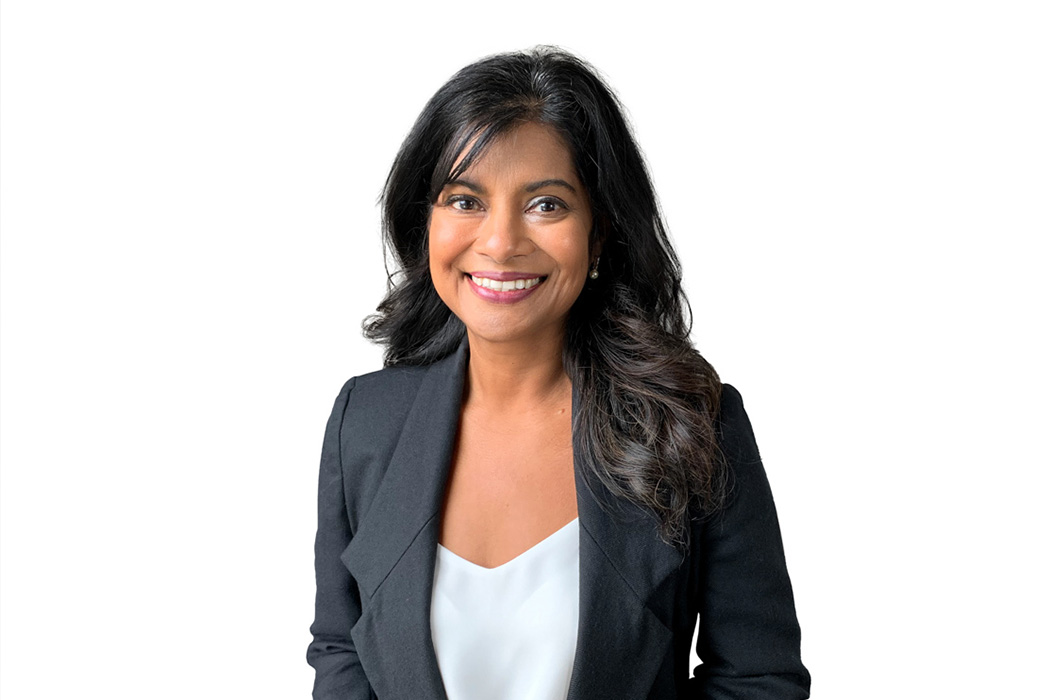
509 239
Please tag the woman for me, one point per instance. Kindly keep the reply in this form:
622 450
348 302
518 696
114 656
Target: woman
547 485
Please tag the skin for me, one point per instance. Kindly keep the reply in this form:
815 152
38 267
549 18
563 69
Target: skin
519 208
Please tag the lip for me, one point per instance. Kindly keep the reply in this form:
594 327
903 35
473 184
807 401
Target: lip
504 276
509 297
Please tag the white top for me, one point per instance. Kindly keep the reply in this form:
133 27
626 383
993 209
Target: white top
508 632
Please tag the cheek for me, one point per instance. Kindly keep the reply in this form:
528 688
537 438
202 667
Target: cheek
444 246
570 250
575 252
445 242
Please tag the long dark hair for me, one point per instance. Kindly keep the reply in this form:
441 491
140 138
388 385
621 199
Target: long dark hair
647 399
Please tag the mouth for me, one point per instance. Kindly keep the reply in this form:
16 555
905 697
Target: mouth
504 287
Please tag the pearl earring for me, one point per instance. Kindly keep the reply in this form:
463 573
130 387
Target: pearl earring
594 270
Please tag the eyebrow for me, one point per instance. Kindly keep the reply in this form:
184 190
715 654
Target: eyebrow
531 187
553 182
469 184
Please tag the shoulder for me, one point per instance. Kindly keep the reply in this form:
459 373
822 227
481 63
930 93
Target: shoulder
736 437
366 425
731 405
747 488
376 399
389 393
391 384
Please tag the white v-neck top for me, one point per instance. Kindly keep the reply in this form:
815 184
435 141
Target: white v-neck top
508 632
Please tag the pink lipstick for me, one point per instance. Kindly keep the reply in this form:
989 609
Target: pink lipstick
504 287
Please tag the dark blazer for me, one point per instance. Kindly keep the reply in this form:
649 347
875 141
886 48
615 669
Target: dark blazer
384 465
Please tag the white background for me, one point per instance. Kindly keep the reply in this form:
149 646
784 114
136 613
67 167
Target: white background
859 195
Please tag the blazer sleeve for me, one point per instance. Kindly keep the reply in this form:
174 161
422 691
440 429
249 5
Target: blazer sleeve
749 636
338 605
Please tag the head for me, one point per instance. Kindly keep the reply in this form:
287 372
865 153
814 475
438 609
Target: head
645 424
482 105
509 240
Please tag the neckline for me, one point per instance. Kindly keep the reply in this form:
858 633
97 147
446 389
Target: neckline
528 553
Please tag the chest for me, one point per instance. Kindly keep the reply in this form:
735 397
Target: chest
397 462
511 485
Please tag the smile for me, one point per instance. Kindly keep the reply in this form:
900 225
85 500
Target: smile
505 291
505 285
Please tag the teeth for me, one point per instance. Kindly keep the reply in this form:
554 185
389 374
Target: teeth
505 286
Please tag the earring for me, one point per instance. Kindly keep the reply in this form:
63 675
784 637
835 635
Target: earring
594 270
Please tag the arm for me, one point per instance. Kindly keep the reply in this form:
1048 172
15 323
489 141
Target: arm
338 606
749 636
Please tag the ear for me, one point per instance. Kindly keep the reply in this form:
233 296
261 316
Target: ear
598 235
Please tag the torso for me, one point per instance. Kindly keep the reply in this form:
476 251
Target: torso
511 482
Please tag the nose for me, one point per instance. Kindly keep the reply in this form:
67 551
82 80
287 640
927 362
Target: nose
503 235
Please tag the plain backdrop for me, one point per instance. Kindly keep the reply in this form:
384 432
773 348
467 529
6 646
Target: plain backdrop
859 194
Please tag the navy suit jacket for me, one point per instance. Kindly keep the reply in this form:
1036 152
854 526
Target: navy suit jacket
384 466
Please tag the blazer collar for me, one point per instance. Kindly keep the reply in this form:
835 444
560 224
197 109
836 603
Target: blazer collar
621 642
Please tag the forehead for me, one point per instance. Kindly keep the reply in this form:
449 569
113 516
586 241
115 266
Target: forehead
526 152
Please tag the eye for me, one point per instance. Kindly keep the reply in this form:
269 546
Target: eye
462 202
547 205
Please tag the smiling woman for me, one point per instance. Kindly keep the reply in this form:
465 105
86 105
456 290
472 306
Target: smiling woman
548 486
513 230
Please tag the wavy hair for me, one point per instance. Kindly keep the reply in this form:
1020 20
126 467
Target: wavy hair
647 398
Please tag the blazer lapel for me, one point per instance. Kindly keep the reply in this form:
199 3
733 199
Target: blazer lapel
392 554
621 641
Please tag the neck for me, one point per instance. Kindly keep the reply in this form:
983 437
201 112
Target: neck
515 375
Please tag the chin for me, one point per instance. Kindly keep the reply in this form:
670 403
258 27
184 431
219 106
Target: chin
497 334
511 333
